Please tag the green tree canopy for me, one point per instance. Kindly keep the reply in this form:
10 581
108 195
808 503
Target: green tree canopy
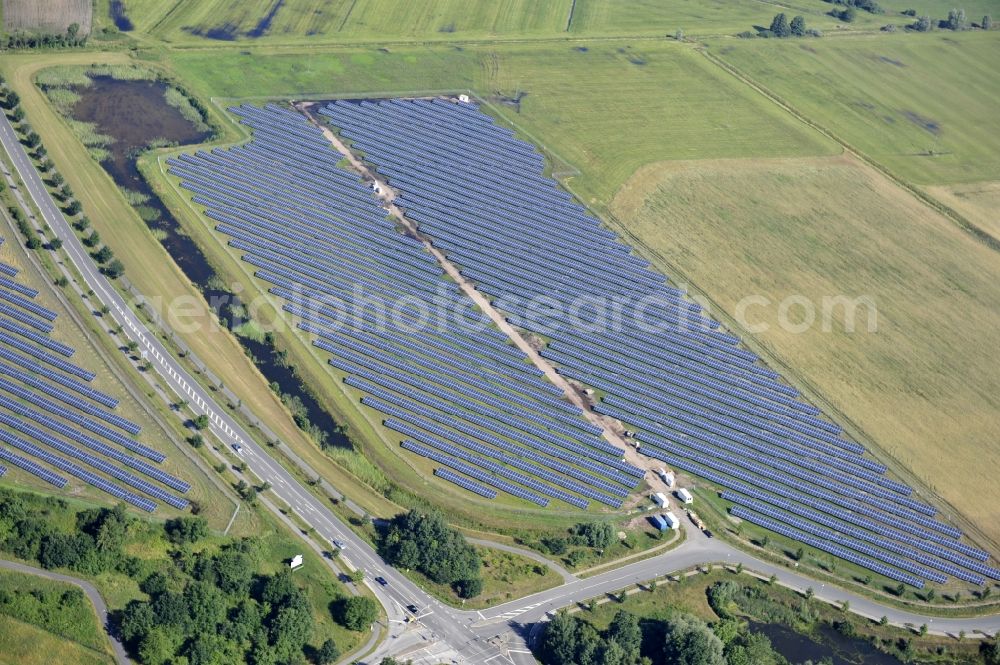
356 613
423 541
689 641
181 530
779 25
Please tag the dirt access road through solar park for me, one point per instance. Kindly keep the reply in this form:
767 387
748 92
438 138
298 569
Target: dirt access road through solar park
388 195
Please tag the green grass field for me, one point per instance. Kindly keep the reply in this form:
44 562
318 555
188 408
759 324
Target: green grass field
639 102
925 386
24 644
55 607
310 22
922 105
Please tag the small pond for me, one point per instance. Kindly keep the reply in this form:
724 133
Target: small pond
841 650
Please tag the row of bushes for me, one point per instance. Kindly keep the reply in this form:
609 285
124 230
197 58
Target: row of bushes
21 39
71 206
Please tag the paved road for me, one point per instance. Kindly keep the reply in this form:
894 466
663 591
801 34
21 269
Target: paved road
95 598
698 549
439 633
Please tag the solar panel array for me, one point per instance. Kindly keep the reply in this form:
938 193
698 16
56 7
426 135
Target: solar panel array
53 423
471 401
697 398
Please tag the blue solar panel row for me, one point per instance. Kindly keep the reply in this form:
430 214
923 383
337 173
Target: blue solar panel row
517 462
91 460
18 287
78 471
487 462
56 377
469 470
27 379
466 483
819 544
850 533
46 357
72 400
315 232
28 305
32 467
428 405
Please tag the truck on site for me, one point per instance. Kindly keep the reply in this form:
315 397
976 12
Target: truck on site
661 499
685 496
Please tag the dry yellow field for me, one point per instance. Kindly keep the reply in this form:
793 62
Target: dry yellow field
925 386
979 202
49 16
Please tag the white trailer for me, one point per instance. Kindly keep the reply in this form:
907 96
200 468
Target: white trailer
661 499
685 496
666 476
672 521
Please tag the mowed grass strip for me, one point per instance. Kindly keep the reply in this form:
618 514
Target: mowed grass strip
636 103
925 387
979 202
922 105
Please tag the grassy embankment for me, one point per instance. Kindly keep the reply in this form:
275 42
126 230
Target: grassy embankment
24 644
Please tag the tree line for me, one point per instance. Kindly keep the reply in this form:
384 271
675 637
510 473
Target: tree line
677 639
23 39
59 188
956 21
782 28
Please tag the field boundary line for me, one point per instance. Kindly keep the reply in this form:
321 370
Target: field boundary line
347 15
569 19
953 215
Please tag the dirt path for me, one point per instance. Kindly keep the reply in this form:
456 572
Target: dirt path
388 195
